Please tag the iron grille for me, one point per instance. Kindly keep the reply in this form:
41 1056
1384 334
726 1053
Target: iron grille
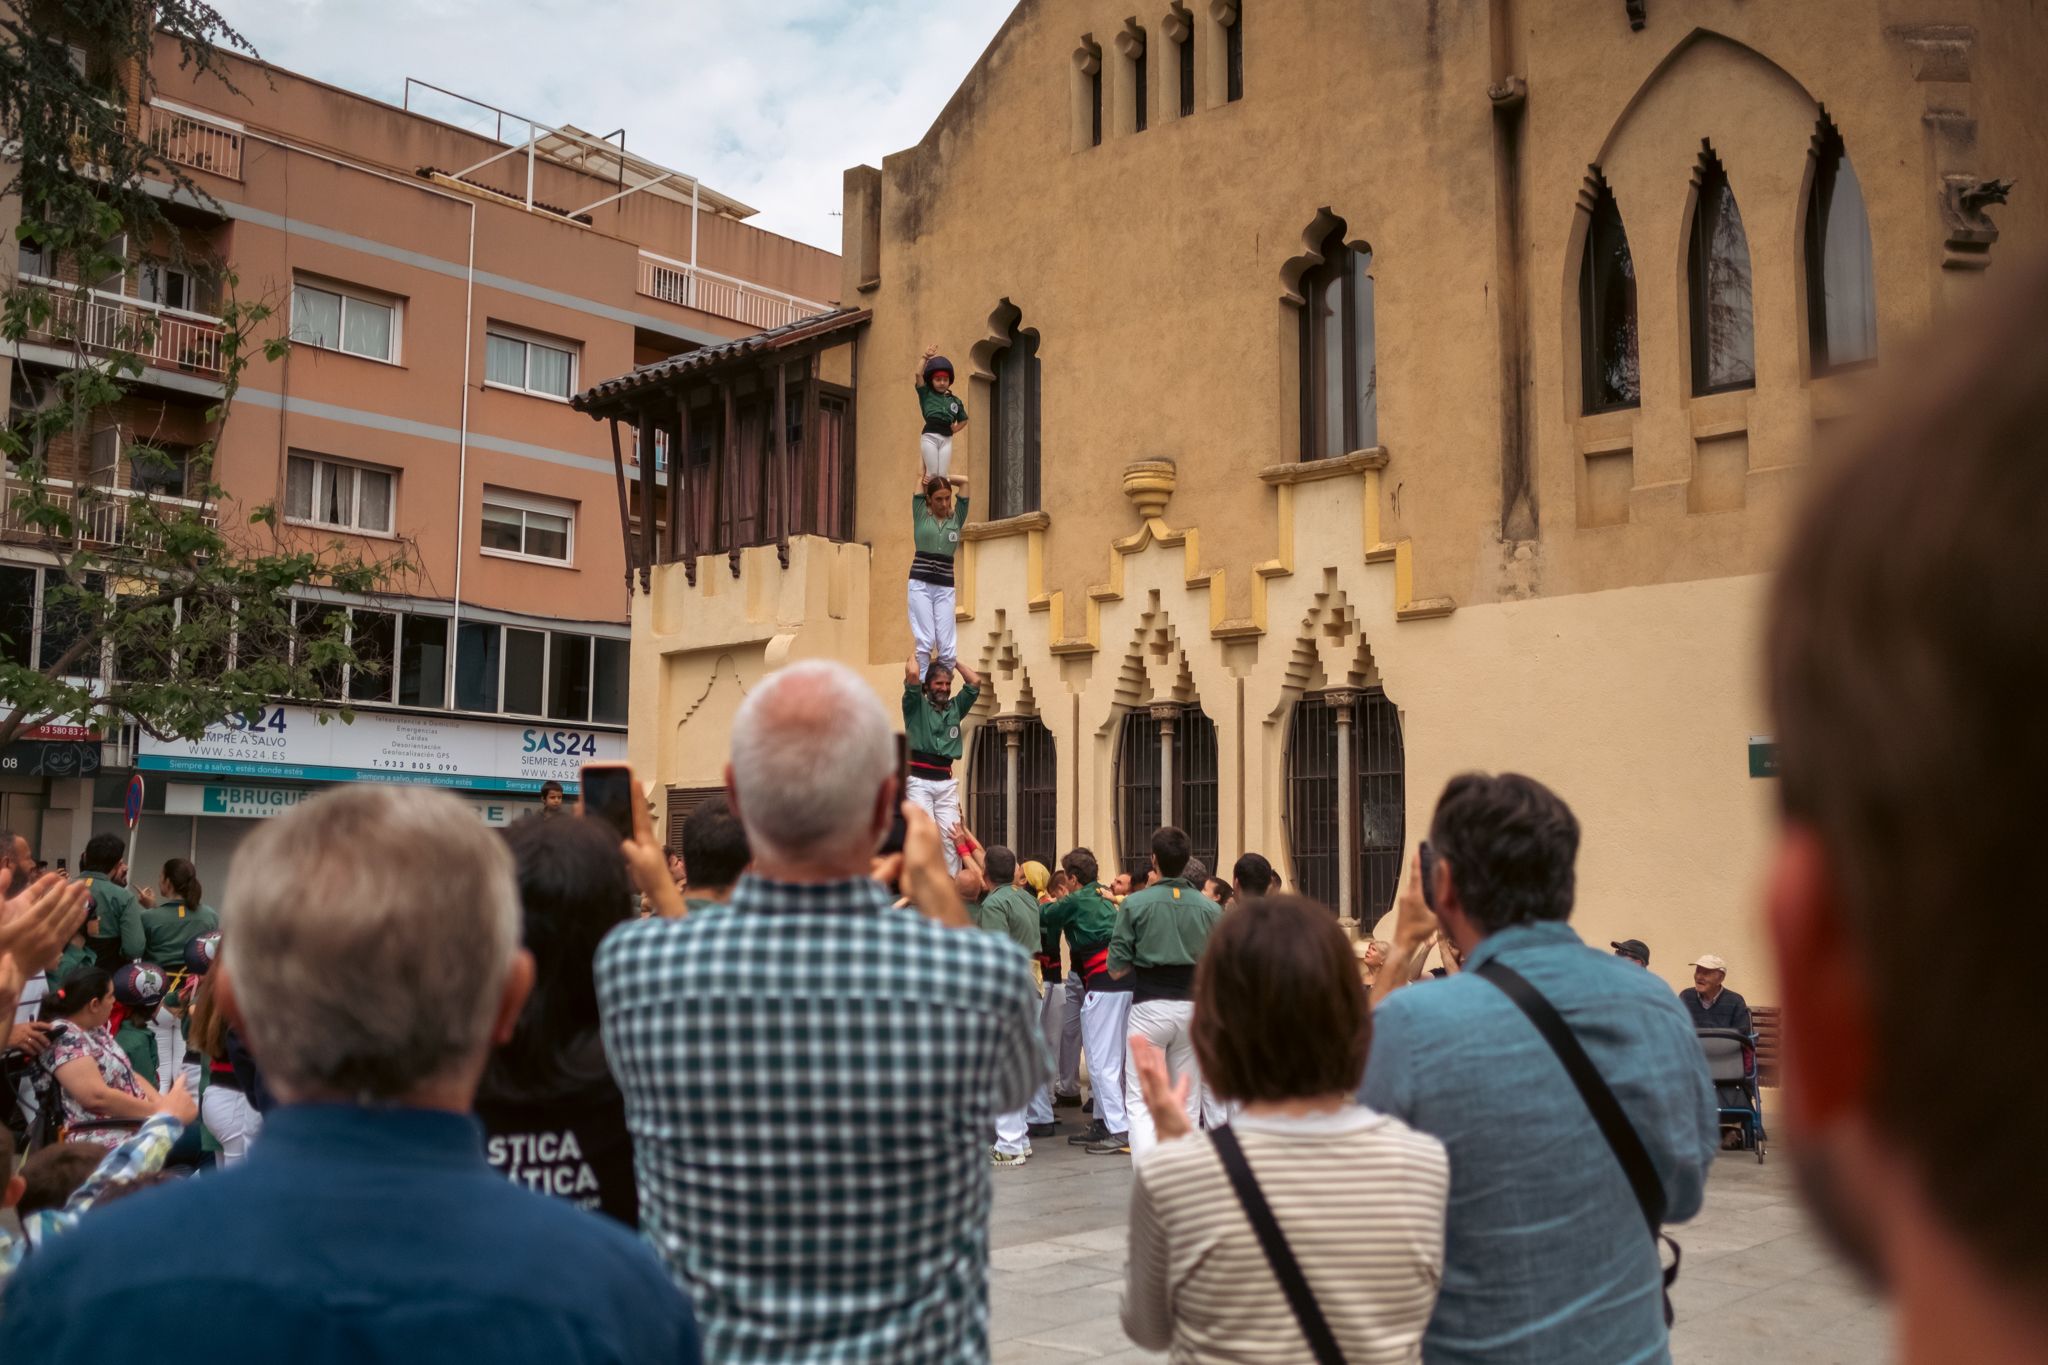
1195 807
1378 804
988 777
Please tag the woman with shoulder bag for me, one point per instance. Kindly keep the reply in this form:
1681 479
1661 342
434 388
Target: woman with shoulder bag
1309 1227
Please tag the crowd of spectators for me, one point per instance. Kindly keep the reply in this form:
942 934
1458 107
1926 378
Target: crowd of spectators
552 1095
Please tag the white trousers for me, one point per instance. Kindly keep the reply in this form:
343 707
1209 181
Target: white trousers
1164 1023
170 1048
937 453
1013 1133
940 800
1068 1048
1105 1032
932 625
232 1120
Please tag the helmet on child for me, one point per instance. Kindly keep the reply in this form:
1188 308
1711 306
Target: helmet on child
202 952
140 985
935 365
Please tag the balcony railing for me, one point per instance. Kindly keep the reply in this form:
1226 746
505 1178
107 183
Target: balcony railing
193 142
679 282
160 336
105 513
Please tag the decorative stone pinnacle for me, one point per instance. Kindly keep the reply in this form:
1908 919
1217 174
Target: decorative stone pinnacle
1149 484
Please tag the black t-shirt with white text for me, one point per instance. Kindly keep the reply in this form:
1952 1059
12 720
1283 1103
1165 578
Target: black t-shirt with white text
573 1146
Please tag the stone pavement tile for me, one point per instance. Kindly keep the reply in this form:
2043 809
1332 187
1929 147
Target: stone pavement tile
1131 1355
1040 1315
1695 1297
1024 1351
1872 1327
1034 1255
1111 1239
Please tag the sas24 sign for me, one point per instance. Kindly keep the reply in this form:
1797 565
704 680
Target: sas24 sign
566 742
264 718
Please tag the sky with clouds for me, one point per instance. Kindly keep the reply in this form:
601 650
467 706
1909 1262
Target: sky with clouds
768 101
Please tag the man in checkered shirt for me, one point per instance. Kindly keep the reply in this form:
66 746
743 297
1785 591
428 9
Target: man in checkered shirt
811 1075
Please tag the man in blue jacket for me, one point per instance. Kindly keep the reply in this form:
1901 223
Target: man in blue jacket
1547 1256
365 1225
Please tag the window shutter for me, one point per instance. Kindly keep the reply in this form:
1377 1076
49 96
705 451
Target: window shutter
681 801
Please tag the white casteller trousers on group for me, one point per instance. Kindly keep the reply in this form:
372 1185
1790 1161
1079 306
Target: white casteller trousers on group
1164 1023
937 453
932 625
1068 1049
940 800
1105 1033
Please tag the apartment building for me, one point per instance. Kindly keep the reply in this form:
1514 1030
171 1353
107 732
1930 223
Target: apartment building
1357 396
446 292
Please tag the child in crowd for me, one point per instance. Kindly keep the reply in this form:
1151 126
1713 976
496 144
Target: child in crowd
944 414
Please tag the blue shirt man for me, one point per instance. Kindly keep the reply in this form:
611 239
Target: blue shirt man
351 1235
1546 1256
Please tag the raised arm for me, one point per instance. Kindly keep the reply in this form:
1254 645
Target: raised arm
968 675
918 377
911 676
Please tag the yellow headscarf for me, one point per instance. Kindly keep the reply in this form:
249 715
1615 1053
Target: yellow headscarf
1036 877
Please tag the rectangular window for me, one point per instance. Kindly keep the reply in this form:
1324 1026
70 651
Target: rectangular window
1185 50
17 615
477 666
569 678
528 526
347 497
32 259
423 662
526 658
337 321
528 364
608 691
166 285
373 635
1233 56
161 471
1095 106
1141 111
68 619
314 620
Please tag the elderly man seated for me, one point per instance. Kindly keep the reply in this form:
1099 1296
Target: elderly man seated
1711 1006
371 959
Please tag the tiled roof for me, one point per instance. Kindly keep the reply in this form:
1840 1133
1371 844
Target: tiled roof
599 398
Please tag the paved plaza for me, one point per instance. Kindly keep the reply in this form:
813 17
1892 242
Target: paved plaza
1758 1286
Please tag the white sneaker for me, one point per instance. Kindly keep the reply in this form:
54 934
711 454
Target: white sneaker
1008 1158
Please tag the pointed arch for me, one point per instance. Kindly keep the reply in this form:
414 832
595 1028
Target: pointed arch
1718 283
1330 288
1610 371
1841 288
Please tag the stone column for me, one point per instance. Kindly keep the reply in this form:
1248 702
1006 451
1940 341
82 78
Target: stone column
1011 728
1343 699
1167 714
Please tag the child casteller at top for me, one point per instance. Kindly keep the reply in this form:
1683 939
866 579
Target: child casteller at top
944 414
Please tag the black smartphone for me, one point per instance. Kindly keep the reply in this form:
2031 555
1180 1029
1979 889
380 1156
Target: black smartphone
892 842
1428 875
608 795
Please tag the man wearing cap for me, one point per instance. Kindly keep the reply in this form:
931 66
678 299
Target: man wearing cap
1634 949
1709 1005
113 924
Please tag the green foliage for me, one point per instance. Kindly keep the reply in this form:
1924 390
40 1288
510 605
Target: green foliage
166 612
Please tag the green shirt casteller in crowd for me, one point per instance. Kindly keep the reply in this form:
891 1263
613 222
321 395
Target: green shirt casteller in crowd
933 729
75 955
933 536
120 939
1010 910
1086 916
941 410
139 1042
1165 925
169 927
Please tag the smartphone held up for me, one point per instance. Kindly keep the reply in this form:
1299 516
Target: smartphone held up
610 794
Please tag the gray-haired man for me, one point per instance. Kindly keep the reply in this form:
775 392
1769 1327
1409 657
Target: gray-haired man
750 1039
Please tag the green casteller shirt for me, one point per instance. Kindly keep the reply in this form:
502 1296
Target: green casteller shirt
1088 917
1160 936
928 729
139 1043
936 541
169 927
941 410
1010 910
120 939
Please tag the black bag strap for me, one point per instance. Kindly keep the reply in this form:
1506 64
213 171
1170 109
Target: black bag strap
1621 1135
1279 1255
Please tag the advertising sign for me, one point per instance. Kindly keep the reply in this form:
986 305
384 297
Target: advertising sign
245 801
50 758
289 742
